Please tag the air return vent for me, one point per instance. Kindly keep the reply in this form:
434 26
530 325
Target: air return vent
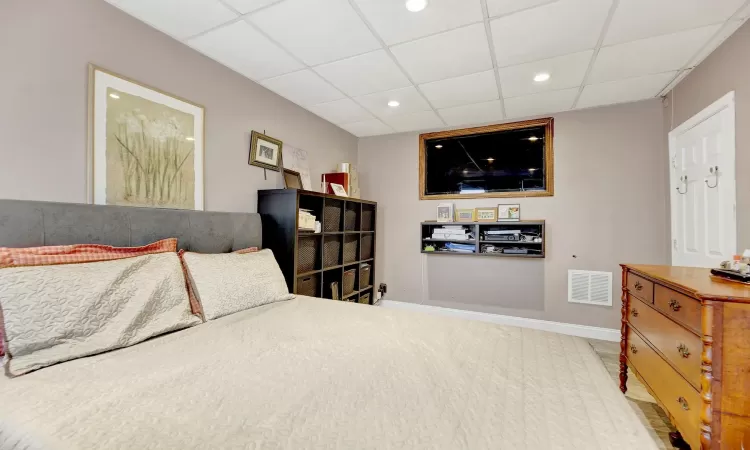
593 288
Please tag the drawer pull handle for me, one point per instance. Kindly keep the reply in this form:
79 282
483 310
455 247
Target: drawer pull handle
682 348
674 305
683 403
634 312
633 349
638 286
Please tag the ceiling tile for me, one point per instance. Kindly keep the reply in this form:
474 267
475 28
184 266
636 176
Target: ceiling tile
371 127
316 31
556 29
565 72
638 19
649 56
394 23
240 47
364 74
542 103
173 18
409 99
422 120
504 7
341 111
246 6
474 88
473 114
630 90
446 55
304 88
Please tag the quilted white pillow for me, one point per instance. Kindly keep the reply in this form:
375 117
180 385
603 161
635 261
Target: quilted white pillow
228 283
58 313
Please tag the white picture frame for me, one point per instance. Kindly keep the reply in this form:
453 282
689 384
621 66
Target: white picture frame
509 212
338 190
445 212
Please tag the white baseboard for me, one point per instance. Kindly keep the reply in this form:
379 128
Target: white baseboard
605 334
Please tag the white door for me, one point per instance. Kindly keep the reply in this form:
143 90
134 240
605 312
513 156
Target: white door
702 179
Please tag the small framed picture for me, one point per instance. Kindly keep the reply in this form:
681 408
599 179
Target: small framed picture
265 151
486 214
338 190
292 179
445 212
508 213
465 215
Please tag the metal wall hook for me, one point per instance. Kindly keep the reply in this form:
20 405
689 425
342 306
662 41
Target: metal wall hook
683 179
715 171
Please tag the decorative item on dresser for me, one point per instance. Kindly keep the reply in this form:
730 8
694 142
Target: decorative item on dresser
687 338
335 263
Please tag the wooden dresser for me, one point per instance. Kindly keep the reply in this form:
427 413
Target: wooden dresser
688 339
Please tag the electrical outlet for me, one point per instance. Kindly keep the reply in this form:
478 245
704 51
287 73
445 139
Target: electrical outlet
383 288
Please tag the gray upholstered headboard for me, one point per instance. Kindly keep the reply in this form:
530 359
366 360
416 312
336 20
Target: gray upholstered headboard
30 224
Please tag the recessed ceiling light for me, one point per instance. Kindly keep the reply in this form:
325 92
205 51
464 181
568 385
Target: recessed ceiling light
416 5
438 146
189 138
490 159
393 104
466 171
541 77
113 95
533 138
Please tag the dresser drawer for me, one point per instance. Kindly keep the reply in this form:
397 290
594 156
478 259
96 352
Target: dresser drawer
671 390
681 347
640 287
679 307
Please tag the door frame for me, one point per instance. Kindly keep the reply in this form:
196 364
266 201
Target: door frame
725 102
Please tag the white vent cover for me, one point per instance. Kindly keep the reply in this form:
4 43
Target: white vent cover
593 288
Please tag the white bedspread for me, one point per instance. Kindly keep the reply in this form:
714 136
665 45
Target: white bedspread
318 374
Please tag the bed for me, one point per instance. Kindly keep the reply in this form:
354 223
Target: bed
309 373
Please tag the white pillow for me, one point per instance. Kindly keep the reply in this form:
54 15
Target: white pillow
228 283
58 313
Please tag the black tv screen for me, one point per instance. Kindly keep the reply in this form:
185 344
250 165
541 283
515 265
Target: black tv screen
492 162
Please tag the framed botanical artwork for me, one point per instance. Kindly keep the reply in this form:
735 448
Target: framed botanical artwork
445 212
486 214
509 213
265 151
145 146
292 179
465 215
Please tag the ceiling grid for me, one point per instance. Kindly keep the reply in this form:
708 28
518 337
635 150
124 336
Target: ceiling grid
454 63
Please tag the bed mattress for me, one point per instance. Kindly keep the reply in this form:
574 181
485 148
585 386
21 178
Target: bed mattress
317 374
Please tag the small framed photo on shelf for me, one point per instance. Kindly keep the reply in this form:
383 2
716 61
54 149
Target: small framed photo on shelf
445 212
338 190
486 214
465 215
292 179
509 213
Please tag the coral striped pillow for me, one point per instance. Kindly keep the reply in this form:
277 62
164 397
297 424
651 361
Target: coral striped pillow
195 305
78 253
73 254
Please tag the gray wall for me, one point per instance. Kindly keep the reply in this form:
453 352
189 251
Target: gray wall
609 207
45 46
725 70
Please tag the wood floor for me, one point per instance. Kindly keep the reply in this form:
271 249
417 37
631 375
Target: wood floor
643 403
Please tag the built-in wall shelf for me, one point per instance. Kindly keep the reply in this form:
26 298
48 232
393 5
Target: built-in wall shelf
520 239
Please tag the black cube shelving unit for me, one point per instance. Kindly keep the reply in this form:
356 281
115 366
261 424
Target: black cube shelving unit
311 261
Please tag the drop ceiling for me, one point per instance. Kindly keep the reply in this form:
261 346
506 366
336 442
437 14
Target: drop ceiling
455 63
